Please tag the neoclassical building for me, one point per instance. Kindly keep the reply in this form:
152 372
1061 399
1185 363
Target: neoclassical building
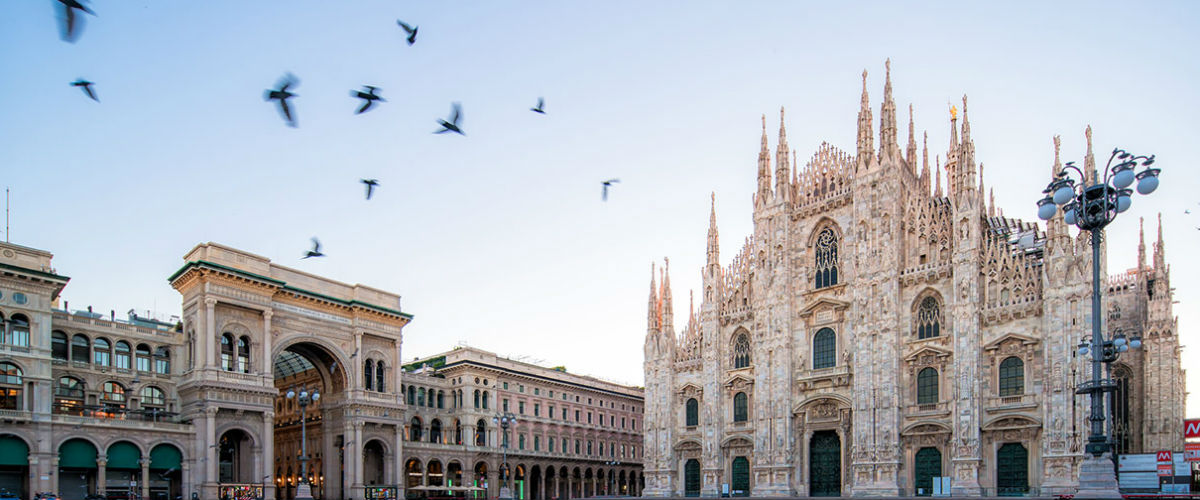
95 404
881 328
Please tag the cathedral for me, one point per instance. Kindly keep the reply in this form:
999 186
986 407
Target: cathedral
882 330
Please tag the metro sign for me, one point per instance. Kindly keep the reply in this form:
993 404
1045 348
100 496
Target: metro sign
1191 428
1164 456
1191 452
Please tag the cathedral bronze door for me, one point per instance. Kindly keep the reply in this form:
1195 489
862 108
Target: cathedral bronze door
825 464
741 477
928 466
691 478
1012 470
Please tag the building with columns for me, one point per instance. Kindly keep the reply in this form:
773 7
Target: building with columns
93 404
881 328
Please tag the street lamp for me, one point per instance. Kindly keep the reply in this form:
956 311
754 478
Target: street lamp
1091 208
505 420
303 491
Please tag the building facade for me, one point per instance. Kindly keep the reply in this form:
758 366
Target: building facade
881 328
93 404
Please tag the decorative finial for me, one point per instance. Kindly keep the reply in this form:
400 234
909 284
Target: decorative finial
764 123
864 80
953 113
964 104
887 64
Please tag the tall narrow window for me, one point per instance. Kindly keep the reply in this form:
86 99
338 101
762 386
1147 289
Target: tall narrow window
112 396
927 386
243 354
18 330
826 264
122 357
929 319
1012 376
379 384
739 407
741 351
58 347
476 398
162 360
368 372
102 352
421 397
227 352
824 349
143 358
1122 429
414 429
693 413
480 433
11 380
412 395
79 348
68 396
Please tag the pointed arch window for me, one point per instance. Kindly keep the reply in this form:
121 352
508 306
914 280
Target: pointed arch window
227 352
1012 377
123 351
693 413
741 351
824 349
929 319
740 410
368 372
825 265
927 386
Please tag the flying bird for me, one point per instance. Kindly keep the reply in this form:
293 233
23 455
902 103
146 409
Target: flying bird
369 97
1187 211
86 87
604 190
282 95
70 26
541 104
452 125
371 183
316 249
411 30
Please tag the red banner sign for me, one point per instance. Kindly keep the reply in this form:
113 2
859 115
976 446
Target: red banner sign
1165 469
1191 452
1164 456
1191 428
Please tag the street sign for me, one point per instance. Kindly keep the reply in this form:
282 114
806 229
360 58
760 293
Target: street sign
1191 452
1165 469
1191 428
1164 456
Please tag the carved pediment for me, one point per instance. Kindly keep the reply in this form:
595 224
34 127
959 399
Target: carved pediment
921 428
823 304
739 382
1014 339
928 354
687 445
737 441
690 391
820 405
1013 422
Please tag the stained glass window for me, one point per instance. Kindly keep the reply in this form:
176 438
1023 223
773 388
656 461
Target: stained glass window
826 265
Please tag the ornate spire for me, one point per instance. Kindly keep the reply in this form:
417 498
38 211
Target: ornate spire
887 118
782 165
1056 226
925 162
668 309
1141 243
938 180
952 154
764 167
911 154
1160 249
714 246
866 143
1089 160
991 200
652 319
1054 170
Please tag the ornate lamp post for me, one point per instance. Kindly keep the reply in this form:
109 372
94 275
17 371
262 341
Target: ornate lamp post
1091 208
505 420
303 491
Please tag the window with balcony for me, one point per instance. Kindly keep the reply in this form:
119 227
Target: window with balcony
68 396
59 350
243 354
824 349
18 331
927 386
1012 377
227 352
11 379
112 399
162 361
381 386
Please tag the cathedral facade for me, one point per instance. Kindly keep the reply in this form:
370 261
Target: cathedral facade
878 331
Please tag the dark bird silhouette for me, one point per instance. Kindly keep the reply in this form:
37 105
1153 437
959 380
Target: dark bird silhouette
86 87
369 97
70 25
1187 211
541 104
452 125
411 30
282 95
371 183
604 190
316 249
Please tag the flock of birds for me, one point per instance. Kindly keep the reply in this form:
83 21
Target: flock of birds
71 23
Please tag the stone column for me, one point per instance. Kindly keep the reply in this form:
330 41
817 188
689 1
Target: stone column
101 474
396 371
185 476
268 362
210 442
209 342
397 468
357 486
356 366
145 477
268 444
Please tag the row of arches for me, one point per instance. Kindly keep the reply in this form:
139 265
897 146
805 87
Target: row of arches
111 401
148 471
526 482
101 351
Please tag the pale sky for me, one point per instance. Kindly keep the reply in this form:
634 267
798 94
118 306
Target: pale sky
499 238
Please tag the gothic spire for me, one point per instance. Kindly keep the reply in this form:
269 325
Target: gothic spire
967 156
668 309
1160 249
782 165
866 143
1089 160
1056 226
652 319
714 246
764 167
925 162
938 181
1141 243
911 154
952 154
888 148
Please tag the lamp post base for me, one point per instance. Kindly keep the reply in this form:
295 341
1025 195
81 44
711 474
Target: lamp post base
1097 479
303 491
505 493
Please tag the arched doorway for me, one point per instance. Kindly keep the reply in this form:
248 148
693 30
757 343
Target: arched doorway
535 483
124 468
454 474
1012 470
373 463
739 473
519 488
691 478
413 473
621 486
825 464
14 466
435 475
234 457
165 474
481 480
77 469
308 369
926 466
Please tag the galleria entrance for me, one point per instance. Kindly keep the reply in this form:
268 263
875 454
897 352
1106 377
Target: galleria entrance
307 369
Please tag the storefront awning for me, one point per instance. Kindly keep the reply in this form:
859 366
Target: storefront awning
165 456
124 455
77 454
13 451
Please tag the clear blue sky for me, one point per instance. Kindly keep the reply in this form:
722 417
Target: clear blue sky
499 238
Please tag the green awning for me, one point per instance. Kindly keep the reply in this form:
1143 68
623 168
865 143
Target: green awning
165 456
124 455
77 454
13 451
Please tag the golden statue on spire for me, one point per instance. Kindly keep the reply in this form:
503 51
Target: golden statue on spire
953 112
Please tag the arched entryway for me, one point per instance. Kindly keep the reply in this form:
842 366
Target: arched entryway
739 473
520 490
691 478
373 461
435 475
926 466
316 380
77 469
14 465
234 457
413 473
454 474
124 468
535 483
825 464
1012 470
165 472
480 481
